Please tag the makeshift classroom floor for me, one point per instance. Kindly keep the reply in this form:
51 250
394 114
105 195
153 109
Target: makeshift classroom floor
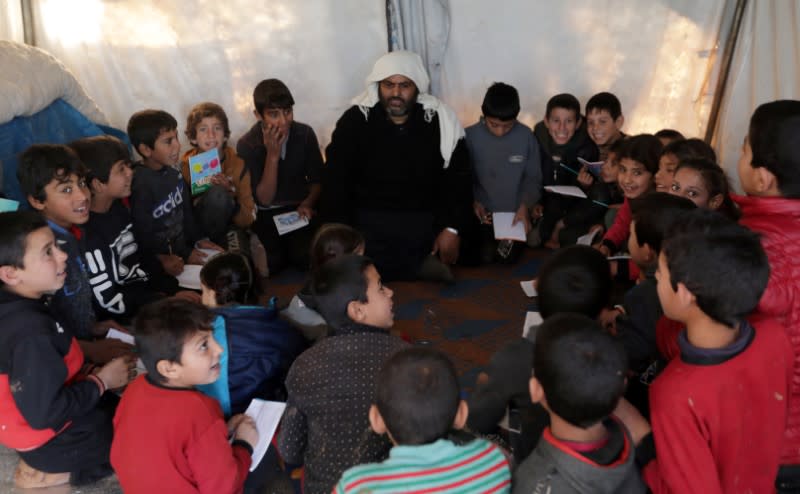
468 320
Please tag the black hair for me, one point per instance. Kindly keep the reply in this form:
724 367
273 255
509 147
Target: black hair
230 276
99 153
653 214
15 227
40 164
145 126
644 149
205 110
337 283
605 101
716 183
580 367
501 102
670 135
566 101
163 327
334 240
271 93
719 261
417 394
688 149
574 279
773 141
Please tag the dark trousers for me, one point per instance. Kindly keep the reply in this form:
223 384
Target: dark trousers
82 449
290 249
489 251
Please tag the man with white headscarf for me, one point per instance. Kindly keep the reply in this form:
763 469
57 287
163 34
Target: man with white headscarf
398 171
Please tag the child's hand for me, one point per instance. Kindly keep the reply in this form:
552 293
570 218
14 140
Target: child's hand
118 372
603 249
608 319
246 430
100 328
102 351
225 182
171 263
305 211
537 212
273 139
636 424
585 178
208 244
523 216
480 211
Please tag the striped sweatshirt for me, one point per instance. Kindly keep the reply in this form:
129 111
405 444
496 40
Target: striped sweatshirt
476 467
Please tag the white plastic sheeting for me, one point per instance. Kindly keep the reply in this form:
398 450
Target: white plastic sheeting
766 67
136 54
655 56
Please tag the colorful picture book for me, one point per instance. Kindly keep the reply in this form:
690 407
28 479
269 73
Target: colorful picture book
202 167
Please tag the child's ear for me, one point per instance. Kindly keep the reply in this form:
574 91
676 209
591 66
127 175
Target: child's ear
715 202
355 311
765 181
144 150
462 413
35 203
258 117
620 121
376 420
536 390
8 275
168 369
685 297
96 185
579 121
652 255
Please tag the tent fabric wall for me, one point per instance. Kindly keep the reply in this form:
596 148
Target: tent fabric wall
11 25
766 67
136 54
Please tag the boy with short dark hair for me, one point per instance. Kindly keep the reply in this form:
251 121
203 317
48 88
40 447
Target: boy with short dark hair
331 385
579 378
285 166
769 173
718 412
417 404
54 181
50 402
160 200
506 162
230 198
604 121
169 437
114 262
574 279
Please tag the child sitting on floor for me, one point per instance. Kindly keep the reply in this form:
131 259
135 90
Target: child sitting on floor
704 183
417 404
332 384
53 411
579 378
676 153
604 121
769 173
508 173
332 240
258 347
169 437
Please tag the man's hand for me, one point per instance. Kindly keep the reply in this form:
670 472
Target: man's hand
171 263
446 246
102 351
585 178
480 211
305 210
523 216
273 139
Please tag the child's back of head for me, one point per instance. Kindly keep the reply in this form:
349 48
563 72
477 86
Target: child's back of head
668 136
574 279
418 396
334 240
580 368
720 262
653 215
772 138
226 279
336 284
501 102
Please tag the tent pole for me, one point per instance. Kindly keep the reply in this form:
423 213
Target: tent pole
27 22
725 68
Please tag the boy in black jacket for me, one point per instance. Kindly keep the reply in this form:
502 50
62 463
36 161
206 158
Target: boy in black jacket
48 401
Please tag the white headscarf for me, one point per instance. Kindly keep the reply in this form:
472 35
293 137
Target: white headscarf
409 64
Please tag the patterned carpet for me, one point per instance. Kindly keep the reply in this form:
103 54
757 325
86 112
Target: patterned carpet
468 320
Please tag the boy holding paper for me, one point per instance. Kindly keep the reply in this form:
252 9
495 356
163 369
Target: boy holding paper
169 437
226 196
508 175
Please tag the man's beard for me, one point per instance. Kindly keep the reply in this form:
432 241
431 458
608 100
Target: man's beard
400 110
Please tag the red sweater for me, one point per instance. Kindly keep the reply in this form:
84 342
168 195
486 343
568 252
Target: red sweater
618 234
718 425
778 221
667 332
176 441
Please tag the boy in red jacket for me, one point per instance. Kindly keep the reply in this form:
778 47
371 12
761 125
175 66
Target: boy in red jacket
769 172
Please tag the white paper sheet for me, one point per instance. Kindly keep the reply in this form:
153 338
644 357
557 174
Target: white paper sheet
267 415
531 319
503 229
190 277
289 222
618 257
529 287
115 334
586 239
566 190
